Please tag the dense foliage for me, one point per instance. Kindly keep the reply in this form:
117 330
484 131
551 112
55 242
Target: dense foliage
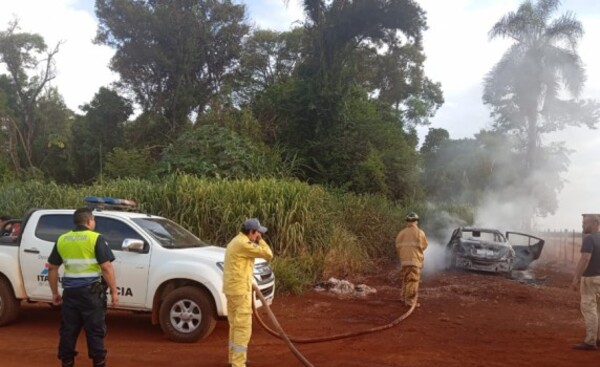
332 102
304 221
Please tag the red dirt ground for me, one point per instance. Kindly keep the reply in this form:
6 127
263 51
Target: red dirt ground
465 319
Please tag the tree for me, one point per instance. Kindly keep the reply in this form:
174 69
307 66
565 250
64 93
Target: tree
267 57
99 131
329 112
433 141
399 79
52 145
30 67
337 32
526 89
465 170
6 168
174 56
122 163
215 151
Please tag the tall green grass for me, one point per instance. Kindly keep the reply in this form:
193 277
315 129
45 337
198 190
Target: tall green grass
315 232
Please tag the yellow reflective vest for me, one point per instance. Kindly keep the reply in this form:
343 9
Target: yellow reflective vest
410 244
238 269
77 249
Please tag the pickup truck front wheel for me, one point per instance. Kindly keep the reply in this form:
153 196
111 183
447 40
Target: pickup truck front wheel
187 314
9 305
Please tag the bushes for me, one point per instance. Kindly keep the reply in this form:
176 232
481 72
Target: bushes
314 232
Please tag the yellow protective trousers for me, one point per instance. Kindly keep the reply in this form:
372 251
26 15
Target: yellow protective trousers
410 283
239 315
590 307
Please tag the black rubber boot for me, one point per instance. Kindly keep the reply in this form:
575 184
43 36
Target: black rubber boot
69 363
100 363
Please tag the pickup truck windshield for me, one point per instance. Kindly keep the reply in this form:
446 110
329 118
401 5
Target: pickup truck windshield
169 234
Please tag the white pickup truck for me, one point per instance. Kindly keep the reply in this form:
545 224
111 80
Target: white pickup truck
161 268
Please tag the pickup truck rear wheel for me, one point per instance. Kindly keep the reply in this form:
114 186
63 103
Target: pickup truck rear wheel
187 314
9 305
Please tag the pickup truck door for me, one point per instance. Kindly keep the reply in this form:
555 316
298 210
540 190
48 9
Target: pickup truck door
527 248
36 244
131 268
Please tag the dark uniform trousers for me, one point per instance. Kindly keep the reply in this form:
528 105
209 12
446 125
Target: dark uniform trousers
83 307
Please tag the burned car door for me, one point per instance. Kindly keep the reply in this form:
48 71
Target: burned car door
451 248
527 248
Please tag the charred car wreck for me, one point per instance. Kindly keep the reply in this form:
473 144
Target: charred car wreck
486 249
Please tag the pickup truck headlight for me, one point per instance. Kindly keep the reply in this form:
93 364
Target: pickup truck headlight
263 273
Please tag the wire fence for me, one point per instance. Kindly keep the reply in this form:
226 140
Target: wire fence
561 247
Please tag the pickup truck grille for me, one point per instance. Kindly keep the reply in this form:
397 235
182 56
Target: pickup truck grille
267 292
263 274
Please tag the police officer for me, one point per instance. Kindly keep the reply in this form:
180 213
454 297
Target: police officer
238 271
410 244
86 257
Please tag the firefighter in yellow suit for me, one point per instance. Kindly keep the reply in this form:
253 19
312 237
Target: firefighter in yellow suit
410 245
238 273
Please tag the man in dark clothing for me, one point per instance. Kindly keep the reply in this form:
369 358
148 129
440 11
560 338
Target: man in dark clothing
87 259
587 278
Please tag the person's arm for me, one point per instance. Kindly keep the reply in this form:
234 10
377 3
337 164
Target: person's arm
54 262
53 282
105 257
583 263
267 252
108 273
260 249
425 244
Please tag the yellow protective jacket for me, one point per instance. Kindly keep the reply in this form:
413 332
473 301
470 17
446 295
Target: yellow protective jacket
238 269
410 244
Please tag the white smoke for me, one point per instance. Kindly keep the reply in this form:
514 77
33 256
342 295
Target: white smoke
503 211
438 228
435 258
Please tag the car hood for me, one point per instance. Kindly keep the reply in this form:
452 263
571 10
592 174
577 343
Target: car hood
212 253
488 250
484 244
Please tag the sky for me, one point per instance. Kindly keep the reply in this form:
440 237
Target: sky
458 51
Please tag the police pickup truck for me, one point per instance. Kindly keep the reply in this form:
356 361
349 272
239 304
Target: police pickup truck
161 268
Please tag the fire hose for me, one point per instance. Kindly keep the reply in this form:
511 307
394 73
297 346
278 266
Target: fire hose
289 340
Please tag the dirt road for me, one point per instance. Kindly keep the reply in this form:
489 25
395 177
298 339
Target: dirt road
465 319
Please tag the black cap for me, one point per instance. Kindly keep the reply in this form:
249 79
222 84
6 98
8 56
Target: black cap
252 224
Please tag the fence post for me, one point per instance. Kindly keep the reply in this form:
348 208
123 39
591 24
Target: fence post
573 248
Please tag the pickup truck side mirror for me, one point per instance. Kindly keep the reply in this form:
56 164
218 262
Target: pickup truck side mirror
132 245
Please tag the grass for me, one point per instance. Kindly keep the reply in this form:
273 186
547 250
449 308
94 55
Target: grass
314 232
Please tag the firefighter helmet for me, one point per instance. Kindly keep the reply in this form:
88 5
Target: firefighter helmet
412 217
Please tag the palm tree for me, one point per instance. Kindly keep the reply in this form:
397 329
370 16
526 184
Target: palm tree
525 87
534 90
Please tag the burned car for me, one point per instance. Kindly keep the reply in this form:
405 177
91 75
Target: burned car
490 250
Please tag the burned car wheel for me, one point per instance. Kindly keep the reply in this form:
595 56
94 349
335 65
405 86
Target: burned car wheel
450 259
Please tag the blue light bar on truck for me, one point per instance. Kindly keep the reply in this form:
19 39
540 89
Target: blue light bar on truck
109 203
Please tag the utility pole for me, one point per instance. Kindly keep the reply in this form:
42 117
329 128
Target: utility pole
100 163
